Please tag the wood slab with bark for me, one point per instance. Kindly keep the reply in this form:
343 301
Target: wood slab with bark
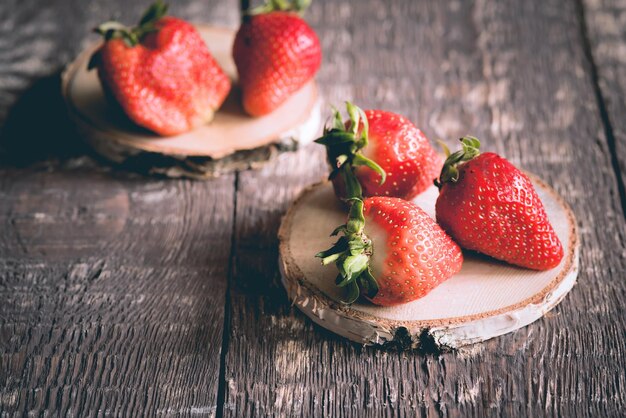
232 141
486 299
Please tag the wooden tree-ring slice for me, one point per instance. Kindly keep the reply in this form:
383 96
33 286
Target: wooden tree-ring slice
232 141
485 299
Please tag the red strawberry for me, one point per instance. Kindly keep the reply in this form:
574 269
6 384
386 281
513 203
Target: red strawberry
486 204
406 162
392 252
160 72
276 53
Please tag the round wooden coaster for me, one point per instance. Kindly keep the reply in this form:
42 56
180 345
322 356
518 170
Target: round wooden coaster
485 299
232 141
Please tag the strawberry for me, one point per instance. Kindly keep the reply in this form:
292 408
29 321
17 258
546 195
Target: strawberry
276 53
486 204
391 252
386 153
160 72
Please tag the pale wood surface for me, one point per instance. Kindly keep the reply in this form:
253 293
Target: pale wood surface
123 294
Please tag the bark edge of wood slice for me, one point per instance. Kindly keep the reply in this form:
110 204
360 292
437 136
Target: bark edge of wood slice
233 141
486 299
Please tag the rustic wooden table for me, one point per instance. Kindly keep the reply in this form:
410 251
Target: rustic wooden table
127 295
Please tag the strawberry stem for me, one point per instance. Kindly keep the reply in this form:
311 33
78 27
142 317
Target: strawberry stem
132 36
351 254
343 148
297 6
470 148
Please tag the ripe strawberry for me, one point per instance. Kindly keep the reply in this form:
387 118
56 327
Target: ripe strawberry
486 204
391 252
160 72
276 53
406 162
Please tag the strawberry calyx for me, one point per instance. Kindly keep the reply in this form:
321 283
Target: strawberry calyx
297 6
132 35
344 142
470 148
351 254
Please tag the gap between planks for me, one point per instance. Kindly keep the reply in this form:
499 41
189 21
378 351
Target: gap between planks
601 102
221 380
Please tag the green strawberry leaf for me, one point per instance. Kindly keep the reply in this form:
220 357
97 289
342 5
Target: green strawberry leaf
340 228
470 148
132 36
360 160
155 12
344 143
337 121
351 254
297 6
368 283
335 137
352 293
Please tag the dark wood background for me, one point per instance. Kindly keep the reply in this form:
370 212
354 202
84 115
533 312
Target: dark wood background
127 295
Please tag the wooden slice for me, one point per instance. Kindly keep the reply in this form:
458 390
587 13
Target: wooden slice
232 141
485 299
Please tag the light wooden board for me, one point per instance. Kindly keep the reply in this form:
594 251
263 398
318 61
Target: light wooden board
232 141
485 299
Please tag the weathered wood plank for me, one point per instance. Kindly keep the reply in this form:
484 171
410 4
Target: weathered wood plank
112 286
74 274
112 293
515 74
606 35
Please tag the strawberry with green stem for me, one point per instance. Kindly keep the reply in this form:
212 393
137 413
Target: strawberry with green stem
381 151
488 205
276 53
351 254
160 72
344 142
391 252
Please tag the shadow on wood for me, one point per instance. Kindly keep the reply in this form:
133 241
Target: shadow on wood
38 131
37 127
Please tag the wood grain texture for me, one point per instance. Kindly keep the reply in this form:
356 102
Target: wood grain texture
112 286
515 74
112 294
605 31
